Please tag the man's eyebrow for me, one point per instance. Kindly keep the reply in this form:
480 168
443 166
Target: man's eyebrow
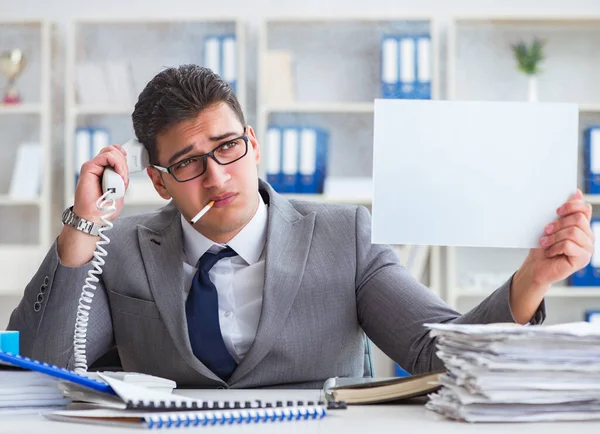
178 154
223 136
188 148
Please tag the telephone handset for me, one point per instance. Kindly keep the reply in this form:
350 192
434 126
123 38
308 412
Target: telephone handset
137 160
113 188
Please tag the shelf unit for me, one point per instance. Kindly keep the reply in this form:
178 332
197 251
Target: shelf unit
146 46
334 82
481 66
334 85
23 246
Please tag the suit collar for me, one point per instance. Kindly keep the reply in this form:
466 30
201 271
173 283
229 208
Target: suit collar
161 246
289 237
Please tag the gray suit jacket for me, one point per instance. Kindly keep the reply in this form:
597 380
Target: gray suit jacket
324 284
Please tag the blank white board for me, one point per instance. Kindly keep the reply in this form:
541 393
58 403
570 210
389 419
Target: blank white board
458 173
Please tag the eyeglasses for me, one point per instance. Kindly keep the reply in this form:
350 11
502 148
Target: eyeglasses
192 167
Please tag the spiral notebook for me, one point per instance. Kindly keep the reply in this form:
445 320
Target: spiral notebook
177 419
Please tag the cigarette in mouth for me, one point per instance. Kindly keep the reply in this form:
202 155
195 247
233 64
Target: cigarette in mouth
202 212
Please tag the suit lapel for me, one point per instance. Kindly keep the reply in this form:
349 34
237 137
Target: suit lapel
288 242
161 252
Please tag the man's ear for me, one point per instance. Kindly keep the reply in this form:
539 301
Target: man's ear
157 180
253 141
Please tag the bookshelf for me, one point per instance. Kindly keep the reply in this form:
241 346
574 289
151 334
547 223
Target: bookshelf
143 47
481 66
331 83
26 220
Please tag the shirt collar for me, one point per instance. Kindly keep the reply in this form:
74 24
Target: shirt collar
248 243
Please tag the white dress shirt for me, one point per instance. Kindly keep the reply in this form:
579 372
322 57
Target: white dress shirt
239 279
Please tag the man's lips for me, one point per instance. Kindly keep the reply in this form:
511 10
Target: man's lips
222 197
223 200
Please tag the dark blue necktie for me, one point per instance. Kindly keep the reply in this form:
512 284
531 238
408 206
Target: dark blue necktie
202 310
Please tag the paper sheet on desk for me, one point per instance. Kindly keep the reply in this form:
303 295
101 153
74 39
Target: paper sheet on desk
488 174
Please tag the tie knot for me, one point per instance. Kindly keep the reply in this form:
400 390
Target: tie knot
206 261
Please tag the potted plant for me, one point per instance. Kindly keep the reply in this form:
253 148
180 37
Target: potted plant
528 58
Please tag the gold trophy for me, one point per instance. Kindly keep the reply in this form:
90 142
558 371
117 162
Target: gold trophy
12 64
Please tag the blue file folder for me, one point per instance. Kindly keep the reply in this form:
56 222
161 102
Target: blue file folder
220 55
313 161
406 66
592 160
274 158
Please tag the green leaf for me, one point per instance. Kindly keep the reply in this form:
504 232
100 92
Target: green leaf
529 57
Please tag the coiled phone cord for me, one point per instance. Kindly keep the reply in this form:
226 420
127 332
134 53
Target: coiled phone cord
107 206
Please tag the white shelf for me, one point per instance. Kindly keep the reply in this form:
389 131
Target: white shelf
21 109
86 42
593 199
555 292
103 110
330 199
589 108
321 107
8 200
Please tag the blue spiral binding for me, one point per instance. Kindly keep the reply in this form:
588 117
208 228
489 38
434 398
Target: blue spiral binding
55 371
231 417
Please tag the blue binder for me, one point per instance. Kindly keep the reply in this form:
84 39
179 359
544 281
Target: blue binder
313 160
274 162
290 151
406 66
592 315
220 55
82 149
406 88
590 274
592 160
389 66
423 66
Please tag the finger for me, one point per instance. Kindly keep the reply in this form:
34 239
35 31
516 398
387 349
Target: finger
111 148
574 206
580 256
112 158
579 220
573 234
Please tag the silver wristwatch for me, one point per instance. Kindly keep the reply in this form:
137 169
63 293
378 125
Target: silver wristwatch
79 223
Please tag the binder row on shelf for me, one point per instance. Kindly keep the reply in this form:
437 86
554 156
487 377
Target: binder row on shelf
406 66
592 160
88 143
297 159
220 56
590 274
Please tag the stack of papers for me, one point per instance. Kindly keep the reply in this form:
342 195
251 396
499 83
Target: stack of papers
26 392
513 373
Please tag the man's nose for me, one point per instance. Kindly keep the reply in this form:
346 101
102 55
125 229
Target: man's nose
215 175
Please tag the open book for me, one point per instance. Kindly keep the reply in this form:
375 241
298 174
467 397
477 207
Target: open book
375 390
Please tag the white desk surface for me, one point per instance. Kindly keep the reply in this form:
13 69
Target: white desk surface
356 419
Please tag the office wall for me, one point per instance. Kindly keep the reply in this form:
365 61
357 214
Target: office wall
62 12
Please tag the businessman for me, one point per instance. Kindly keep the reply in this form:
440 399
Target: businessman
262 291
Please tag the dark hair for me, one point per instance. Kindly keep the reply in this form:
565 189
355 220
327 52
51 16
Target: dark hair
175 95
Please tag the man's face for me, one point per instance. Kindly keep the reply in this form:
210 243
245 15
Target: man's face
233 187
